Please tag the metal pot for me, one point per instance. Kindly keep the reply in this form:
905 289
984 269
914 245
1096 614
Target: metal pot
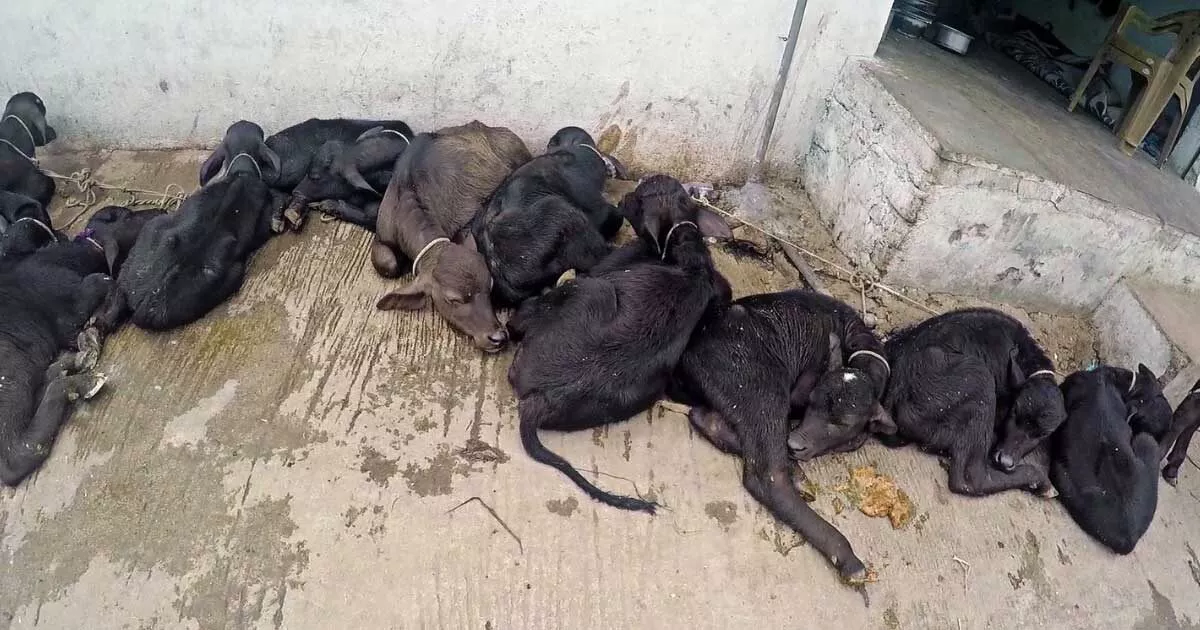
952 39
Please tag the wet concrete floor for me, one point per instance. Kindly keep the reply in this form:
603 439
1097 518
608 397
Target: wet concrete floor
294 461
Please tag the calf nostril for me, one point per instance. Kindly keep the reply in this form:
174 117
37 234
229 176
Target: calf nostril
498 336
1005 461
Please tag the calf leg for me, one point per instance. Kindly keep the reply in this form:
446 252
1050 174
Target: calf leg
1178 452
767 475
386 261
32 446
713 426
364 216
972 475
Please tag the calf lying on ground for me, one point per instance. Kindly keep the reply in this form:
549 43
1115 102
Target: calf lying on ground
549 216
1104 467
294 149
45 298
951 373
186 263
602 348
24 225
23 128
439 185
1183 426
349 179
751 362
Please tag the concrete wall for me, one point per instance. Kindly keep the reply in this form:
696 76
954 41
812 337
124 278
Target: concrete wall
833 31
679 86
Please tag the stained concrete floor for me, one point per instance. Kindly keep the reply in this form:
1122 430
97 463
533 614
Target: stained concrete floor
293 460
986 107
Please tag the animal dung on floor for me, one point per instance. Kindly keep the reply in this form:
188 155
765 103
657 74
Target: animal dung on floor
877 496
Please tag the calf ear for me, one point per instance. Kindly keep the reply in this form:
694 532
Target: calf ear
355 178
711 224
881 421
413 297
619 171
270 160
213 164
1016 375
1145 375
835 352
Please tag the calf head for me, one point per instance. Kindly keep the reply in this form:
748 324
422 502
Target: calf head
336 170
242 150
15 207
569 137
116 229
26 236
31 111
1148 409
659 204
455 280
843 409
1035 413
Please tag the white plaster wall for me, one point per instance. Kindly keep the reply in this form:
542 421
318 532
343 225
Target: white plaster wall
832 32
678 86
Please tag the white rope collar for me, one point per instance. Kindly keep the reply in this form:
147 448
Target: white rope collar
608 165
667 241
1049 373
23 126
874 355
1132 383
248 157
425 250
39 224
393 131
31 159
94 243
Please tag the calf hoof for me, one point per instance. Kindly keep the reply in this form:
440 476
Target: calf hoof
1048 492
88 356
1171 477
855 573
294 219
86 386
94 385
566 277
277 225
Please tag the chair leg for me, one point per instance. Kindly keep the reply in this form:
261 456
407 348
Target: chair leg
1176 128
1144 112
1087 79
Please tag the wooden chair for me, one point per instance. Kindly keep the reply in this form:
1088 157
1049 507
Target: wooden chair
1166 77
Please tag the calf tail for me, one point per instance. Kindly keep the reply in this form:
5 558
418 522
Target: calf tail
538 451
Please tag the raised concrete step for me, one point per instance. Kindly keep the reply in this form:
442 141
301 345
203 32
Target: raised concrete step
946 173
1157 326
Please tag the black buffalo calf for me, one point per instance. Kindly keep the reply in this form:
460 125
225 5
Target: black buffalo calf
951 374
187 262
1104 467
23 128
291 153
602 348
548 217
45 299
752 364
348 180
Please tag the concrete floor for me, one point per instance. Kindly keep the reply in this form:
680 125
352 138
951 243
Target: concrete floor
984 106
292 461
